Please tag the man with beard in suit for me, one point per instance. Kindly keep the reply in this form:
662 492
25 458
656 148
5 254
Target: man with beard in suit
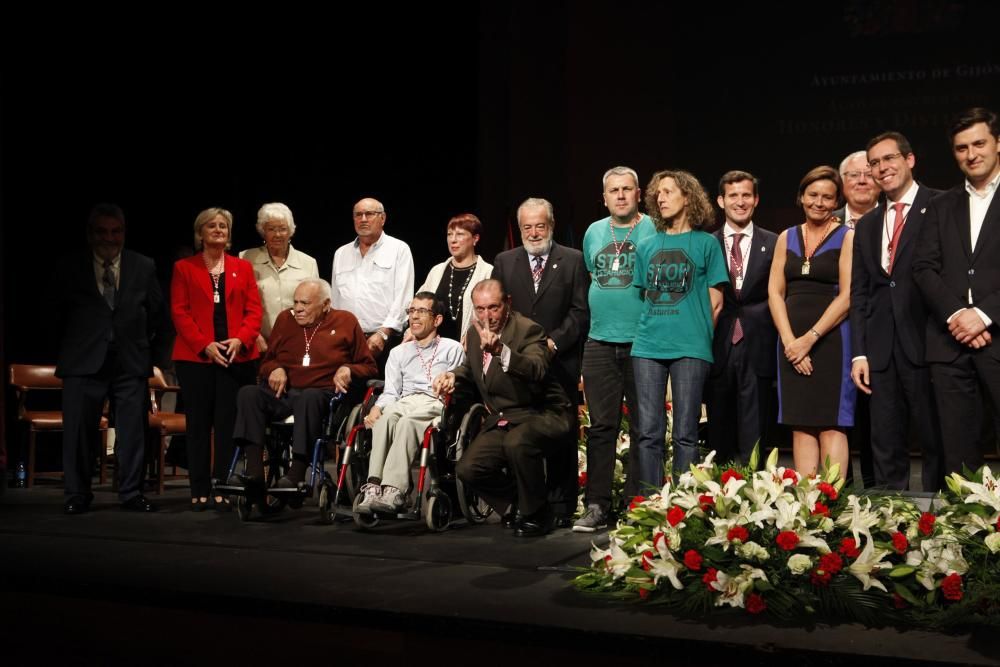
957 268
741 384
548 284
112 311
888 320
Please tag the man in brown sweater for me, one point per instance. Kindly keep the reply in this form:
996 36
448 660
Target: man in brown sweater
313 352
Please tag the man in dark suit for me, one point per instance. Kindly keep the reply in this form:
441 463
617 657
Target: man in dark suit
888 320
741 384
508 367
860 196
957 268
111 311
548 283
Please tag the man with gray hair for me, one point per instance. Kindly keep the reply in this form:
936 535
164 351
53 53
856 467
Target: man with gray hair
373 279
609 253
860 190
313 352
548 283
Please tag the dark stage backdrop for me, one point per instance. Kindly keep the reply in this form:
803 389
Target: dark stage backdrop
440 108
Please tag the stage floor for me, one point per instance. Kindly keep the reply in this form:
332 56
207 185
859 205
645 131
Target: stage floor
178 587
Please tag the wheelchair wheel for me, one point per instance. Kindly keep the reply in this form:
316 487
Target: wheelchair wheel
325 501
438 513
364 521
469 428
243 507
474 509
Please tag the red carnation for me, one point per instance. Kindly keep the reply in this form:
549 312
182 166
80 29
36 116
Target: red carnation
787 540
821 510
829 490
755 603
898 601
899 542
831 563
656 539
647 560
730 474
706 502
675 515
710 576
738 533
951 586
582 479
636 501
849 547
926 523
790 474
643 593
692 560
820 577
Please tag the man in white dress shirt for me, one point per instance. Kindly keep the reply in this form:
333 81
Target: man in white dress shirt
373 279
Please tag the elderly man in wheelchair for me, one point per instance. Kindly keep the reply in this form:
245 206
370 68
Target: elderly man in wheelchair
407 406
507 366
314 351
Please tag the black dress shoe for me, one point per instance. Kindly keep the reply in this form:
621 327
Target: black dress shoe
138 504
564 521
536 525
76 506
509 520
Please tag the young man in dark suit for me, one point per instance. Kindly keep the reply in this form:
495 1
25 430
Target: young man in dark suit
111 311
508 369
548 283
957 268
888 320
741 394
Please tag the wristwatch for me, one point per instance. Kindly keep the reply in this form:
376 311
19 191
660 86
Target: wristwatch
383 334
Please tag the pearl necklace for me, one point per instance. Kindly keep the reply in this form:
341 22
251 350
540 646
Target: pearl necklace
453 305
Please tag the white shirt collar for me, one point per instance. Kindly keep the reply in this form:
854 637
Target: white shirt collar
729 230
987 191
907 198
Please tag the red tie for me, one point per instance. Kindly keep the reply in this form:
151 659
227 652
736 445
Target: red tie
898 223
736 271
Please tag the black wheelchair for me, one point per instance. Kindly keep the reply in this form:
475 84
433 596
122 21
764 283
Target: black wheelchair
439 498
270 499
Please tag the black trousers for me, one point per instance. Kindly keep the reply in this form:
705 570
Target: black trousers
741 408
83 401
521 449
209 392
257 406
958 391
901 393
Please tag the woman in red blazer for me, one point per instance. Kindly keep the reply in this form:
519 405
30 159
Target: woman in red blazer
217 313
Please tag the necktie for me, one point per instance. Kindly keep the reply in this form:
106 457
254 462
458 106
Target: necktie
536 273
108 280
898 223
736 273
852 223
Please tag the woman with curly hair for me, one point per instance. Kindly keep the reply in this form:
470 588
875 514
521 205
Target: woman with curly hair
680 272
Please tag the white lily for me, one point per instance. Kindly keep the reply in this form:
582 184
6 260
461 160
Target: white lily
859 519
733 589
666 567
616 561
868 562
987 493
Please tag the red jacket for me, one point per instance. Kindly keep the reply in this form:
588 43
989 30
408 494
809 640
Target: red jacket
191 306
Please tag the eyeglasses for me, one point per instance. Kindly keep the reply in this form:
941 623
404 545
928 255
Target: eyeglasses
361 215
856 175
422 312
875 162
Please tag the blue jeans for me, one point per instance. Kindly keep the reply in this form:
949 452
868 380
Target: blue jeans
687 379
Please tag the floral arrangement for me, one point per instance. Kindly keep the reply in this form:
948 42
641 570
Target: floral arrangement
774 542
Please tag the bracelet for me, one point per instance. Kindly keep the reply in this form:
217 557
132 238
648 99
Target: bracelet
814 332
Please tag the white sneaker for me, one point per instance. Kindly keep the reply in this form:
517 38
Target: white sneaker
594 519
390 500
370 494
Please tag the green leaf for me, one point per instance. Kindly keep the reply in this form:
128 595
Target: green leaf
754 456
907 595
901 571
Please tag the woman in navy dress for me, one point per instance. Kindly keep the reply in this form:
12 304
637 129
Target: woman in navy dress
809 295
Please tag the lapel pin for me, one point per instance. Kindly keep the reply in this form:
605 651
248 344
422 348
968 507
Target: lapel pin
234 274
333 332
763 248
923 210
555 266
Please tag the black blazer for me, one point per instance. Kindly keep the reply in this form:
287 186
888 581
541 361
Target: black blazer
946 268
527 389
750 306
560 305
89 325
887 308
